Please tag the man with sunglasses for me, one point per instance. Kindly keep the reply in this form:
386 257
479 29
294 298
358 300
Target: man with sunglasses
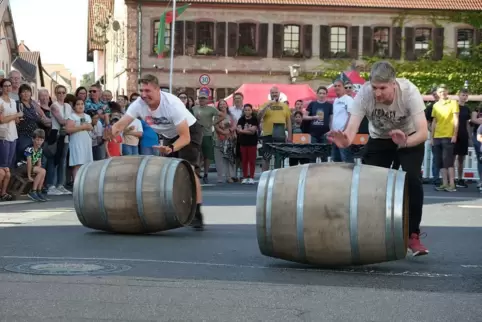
398 129
94 103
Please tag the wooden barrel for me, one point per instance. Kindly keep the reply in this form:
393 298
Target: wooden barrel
135 194
333 214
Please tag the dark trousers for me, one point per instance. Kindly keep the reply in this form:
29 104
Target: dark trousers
382 153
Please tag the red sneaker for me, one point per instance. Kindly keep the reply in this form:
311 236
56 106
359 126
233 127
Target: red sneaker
416 246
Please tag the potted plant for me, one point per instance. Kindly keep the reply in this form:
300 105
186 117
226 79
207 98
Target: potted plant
204 50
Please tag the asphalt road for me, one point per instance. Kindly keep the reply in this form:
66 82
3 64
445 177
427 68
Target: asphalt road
220 275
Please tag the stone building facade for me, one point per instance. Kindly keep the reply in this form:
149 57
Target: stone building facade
258 42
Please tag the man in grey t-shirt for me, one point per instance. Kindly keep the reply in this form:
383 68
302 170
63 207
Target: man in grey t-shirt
398 129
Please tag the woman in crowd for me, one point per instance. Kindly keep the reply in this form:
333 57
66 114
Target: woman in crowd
8 136
61 111
224 143
79 125
30 120
81 92
248 141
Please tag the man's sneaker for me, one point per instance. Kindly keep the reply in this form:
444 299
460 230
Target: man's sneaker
63 190
41 196
441 187
33 195
250 181
416 246
450 188
461 184
52 191
245 181
205 179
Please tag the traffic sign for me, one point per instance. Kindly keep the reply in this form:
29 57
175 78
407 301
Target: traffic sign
204 79
205 90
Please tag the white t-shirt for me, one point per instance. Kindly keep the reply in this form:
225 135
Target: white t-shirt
236 113
65 112
341 105
384 118
131 139
9 108
164 120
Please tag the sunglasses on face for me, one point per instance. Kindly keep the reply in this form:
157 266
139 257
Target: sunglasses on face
60 93
348 87
183 97
92 91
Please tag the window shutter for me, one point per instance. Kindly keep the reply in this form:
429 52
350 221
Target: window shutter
277 41
190 44
397 43
355 38
263 40
232 39
410 43
221 39
307 36
325 50
438 43
179 38
367 41
220 93
477 37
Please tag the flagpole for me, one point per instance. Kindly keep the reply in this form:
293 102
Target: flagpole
173 29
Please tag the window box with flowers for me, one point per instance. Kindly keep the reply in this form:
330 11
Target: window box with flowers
290 53
166 52
205 50
247 51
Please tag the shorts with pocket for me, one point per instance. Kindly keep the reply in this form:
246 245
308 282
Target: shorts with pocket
190 152
208 147
443 153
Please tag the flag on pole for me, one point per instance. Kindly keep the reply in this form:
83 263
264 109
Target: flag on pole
166 17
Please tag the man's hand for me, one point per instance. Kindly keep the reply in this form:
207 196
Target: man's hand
454 139
30 179
339 138
399 137
163 149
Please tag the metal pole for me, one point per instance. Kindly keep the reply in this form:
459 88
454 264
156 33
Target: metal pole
171 43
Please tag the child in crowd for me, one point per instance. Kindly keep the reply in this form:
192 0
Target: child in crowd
97 135
148 140
31 166
114 146
248 140
131 137
79 125
297 129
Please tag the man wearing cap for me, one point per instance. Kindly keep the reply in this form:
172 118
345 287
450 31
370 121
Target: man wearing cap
205 115
167 115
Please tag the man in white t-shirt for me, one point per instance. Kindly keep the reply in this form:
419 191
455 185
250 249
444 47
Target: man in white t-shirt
341 105
398 128
237 111
168 116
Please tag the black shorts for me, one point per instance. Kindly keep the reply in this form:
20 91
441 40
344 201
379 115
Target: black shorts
192 151
443 153
462 146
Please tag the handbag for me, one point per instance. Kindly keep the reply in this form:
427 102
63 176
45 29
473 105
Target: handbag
50 145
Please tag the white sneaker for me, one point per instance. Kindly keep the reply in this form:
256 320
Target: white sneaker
52 191
244 181
251 181
63 190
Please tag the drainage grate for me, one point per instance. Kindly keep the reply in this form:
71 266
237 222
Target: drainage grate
68 268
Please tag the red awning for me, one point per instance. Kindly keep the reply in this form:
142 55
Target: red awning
354 77
258 94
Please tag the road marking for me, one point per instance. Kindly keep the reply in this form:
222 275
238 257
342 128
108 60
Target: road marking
360 270
15 202
469 206
18 218
471 266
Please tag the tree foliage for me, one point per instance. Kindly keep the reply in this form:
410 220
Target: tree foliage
87 79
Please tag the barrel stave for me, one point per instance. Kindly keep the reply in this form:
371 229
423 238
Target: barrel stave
326 220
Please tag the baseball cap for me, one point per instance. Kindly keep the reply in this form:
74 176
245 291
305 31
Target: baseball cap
202 95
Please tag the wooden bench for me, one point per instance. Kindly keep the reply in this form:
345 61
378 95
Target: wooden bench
18 185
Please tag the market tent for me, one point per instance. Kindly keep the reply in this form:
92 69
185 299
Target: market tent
355 79
258 94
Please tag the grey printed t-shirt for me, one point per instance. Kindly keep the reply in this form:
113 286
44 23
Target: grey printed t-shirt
385 118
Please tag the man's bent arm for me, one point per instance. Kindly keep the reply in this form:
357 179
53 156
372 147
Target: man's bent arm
352 127
421 130
184 136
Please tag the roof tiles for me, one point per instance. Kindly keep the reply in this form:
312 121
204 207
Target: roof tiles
388 4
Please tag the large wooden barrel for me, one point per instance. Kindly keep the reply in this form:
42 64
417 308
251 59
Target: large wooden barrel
333 214
135 194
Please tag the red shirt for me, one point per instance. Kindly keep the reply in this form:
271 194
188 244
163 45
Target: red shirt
114 147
